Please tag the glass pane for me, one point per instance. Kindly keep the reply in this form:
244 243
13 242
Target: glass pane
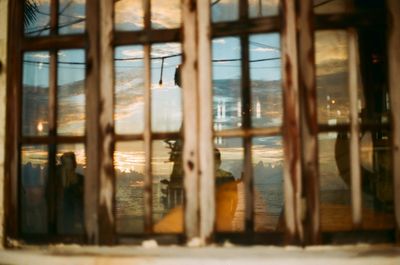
165 14
265 75
129 161
333 6
377 180
37 17
331 59
224 10
71 92
71 15
227 80
129 90
35 96
166 109
33 195
229 187
69 187
374 96
263 8
268 162
335 182
167 186
128 15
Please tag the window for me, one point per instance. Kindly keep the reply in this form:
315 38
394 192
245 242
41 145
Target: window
250 121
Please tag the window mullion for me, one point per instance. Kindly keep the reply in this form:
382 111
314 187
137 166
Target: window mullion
148 186
190 120
355 170
291 126
91 182
206 149
394 89
106 115
308 118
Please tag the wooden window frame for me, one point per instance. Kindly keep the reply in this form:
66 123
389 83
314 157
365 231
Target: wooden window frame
296 24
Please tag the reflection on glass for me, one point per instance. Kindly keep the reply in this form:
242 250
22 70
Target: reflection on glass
331 59
265 75
33 195
166 109
71 16
377 180
36 17
71 92
129 90
128 15
333 6
227 102
68 188
267 161
335 182
335 178
129 161
224 10
165 14
168 191
374 96
263 8
35 96
230 209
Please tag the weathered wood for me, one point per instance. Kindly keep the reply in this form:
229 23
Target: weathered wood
252 132
308 118
346 127
54 5
190 119
206 147
394 89
147 36
52 107
52 139
91 184
252 26
291 117
343 21
148 183
106 78
56 42
246 123
13 116
355 169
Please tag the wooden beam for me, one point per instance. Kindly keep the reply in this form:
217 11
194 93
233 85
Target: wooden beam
206 147
147 36
148 183
106 144
13 118
291 117
308 118
57 42
252 132
251 26
394 89
190 119
91 183
355 169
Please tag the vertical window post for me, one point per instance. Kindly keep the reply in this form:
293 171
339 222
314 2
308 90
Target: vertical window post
394 88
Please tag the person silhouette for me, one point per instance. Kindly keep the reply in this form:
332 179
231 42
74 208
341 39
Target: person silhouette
70 194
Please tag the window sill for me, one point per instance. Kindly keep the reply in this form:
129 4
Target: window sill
58 254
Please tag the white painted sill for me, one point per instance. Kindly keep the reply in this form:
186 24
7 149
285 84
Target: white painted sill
175 255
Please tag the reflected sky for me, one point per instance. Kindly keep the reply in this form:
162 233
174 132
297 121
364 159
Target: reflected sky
331 60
